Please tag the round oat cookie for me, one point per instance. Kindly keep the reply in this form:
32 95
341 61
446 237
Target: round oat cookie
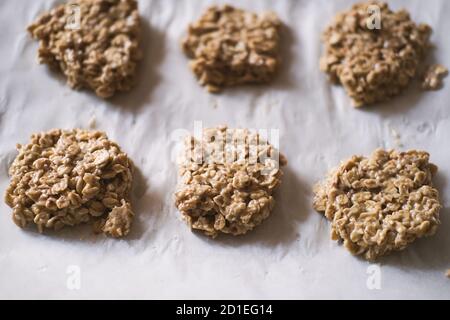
380 203
68 177
94 43
228 46
374 52
228 180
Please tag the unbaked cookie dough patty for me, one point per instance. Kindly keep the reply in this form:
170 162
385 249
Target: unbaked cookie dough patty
229 46
374 65
380 203
228 179
94 43
68 177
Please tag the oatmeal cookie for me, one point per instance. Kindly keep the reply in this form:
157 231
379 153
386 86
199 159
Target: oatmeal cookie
68 177
228 180
94 43
374 64
229 46
380 203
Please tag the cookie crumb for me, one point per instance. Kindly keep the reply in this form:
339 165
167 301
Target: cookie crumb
118 222
397 138
433 77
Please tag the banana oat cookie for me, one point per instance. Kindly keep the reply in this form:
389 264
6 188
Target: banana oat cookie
68 177
381 203
228 180
94 43
229 46
374 61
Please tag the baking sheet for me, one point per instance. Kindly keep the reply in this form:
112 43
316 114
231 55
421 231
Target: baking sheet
290 256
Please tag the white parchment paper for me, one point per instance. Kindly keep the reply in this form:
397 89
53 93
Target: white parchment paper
291 254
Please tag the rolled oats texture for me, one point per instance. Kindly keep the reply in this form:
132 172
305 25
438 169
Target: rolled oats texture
374 64
283 250
434 76
94 43
381 203
228 46
228 178
69 177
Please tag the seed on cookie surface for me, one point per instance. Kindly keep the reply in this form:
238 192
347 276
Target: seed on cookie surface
228 181
69 177
380 203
